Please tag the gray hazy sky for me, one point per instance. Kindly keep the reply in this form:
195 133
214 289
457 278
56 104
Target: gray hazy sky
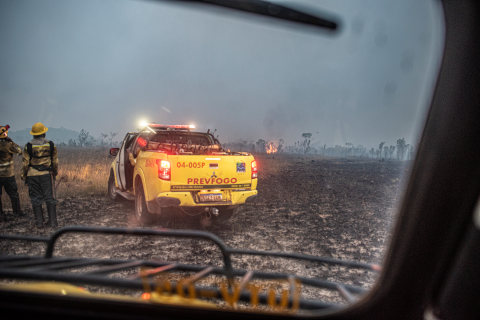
106 65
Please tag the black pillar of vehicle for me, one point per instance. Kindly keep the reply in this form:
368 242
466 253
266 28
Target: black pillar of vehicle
444 185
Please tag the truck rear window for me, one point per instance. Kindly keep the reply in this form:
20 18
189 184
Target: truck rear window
182 138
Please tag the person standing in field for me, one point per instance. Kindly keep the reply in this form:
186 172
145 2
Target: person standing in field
7 176
40 167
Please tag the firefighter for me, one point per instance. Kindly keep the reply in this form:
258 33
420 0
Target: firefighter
40 167
7 177
131 158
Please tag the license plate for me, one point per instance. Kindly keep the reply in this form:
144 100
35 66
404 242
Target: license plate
211 197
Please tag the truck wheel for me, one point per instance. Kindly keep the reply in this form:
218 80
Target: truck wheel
111 187
141 212
224 214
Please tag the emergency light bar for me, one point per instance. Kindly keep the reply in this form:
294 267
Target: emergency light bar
174 127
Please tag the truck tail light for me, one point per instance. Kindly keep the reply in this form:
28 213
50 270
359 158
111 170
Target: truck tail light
164 169
254 169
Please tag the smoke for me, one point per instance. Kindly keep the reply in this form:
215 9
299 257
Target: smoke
276 122
105 65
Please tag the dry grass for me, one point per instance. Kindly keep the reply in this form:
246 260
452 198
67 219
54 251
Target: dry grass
83 172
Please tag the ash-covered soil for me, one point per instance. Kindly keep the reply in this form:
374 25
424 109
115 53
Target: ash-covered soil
338 208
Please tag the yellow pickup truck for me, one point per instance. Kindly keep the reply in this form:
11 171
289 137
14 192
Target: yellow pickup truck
165 166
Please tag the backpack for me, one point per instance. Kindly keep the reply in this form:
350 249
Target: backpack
41 167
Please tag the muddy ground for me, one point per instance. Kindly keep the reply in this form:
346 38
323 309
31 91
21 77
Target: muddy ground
331 207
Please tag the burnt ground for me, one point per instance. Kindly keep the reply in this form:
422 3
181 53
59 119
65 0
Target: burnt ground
331 207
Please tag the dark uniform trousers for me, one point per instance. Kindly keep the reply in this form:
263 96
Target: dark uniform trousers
39 189
10 186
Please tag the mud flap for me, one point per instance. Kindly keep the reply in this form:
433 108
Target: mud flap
153 207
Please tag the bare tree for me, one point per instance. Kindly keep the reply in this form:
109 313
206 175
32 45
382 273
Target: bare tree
306 142
392 150
280 145
261 145
112 135
103 136
349 147
401 148
82 137
90 142
380 148
361 151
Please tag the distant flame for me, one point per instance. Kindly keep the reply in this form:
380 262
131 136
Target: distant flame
270 148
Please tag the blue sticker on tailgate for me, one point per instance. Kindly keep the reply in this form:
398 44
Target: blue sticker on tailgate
241 166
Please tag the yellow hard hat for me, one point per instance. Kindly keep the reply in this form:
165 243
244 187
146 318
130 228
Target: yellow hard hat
38 129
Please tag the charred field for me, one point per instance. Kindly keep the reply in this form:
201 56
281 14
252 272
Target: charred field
340 208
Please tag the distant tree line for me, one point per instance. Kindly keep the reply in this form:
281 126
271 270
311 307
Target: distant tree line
400 151
86 140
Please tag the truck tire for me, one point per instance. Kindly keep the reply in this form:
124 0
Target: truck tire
141 213
224 214
111 188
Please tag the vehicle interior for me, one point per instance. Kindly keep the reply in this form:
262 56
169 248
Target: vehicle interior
182 138
129 144
431 269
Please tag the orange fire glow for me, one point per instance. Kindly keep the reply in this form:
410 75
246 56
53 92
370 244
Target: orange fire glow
270 148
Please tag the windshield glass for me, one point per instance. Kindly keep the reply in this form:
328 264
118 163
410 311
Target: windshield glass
182 138
317 129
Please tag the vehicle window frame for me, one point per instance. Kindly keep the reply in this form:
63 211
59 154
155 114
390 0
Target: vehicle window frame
435 212
123 161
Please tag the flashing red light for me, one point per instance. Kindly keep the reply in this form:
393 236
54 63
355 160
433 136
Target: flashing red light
174 126
146 296
254 169
164 169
